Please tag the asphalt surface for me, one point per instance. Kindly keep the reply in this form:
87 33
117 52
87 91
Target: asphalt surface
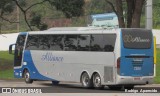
66 87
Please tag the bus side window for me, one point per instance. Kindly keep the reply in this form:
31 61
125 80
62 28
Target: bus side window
44 42
19 50
96 42
70 42
83 43
56 42
32 42
109 42
108 48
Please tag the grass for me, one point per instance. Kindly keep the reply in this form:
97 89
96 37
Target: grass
6 74
157 78
6 66
5 55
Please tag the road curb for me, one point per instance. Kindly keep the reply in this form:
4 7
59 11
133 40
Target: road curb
14 80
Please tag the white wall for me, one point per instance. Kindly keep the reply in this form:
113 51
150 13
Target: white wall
157 34
6 40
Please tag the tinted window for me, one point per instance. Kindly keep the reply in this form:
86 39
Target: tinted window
137 38
70 42
19 50
96 43
21 40
44 43
83 42
32 42
109 42
56 42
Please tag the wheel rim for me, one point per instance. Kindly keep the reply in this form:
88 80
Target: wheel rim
85 80
27 76
97 81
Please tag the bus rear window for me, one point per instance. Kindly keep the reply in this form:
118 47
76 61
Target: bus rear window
137 38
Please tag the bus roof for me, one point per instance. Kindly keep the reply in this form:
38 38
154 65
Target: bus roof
105 15
80 30
76 30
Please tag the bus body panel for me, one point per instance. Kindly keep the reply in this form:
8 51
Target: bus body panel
68 65
130 80
133 66
30 66
136 65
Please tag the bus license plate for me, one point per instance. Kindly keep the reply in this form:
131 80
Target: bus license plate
137 78
137 68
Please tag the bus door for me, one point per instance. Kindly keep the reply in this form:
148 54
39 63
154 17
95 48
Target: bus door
136 53
19 50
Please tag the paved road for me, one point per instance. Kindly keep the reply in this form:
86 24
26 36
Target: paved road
64 87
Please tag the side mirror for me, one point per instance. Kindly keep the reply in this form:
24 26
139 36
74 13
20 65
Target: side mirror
10 48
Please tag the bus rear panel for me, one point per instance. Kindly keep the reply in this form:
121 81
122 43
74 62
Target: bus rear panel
136 63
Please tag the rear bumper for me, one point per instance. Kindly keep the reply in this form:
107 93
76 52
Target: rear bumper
134 80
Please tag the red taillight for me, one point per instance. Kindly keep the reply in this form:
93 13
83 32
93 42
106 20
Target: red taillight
118 62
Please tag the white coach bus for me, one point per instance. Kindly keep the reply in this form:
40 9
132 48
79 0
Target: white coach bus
95 57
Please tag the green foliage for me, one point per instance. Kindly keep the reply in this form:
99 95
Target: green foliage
156 15
97 7
71 8
53 10
6 6
23 3
36 21
157 78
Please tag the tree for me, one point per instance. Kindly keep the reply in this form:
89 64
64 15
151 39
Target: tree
133 13
6 7
70 8
96 7
156 14
36 21
21 4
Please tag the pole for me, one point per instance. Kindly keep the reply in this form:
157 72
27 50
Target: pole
18 19
149 14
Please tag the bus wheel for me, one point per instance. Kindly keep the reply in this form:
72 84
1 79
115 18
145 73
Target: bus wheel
97 81
129 87
55 82
85 80
27 77
116 87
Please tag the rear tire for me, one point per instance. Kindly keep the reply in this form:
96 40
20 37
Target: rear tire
27 77
115 87
86 81
55 82
97 81
129 87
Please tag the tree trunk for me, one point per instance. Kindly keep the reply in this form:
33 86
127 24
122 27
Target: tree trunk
130 10
120 13
137 14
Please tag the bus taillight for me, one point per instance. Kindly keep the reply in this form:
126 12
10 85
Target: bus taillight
118 63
